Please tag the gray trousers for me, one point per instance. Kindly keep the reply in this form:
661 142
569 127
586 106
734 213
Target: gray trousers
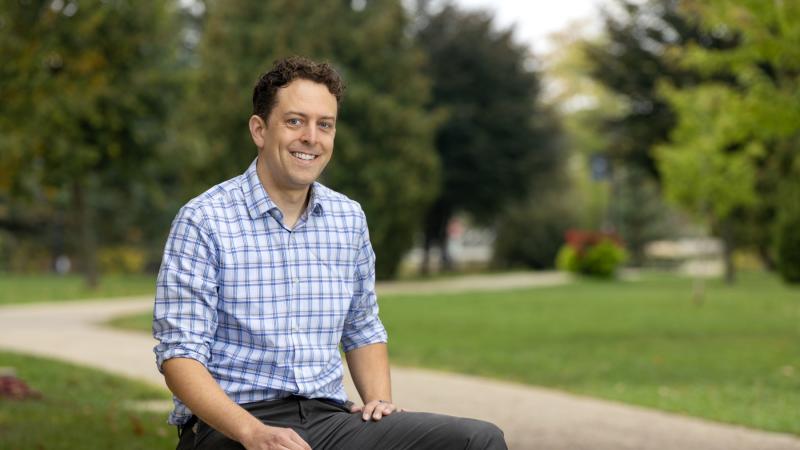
328 425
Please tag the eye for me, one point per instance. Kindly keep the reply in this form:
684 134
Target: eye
294 122
325 125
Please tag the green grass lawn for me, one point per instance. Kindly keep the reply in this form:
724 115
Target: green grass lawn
34 288
734 358
80 408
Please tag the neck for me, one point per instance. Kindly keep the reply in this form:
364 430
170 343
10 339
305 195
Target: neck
291 202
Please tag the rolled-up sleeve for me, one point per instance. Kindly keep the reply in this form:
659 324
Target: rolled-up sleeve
185 311
362 325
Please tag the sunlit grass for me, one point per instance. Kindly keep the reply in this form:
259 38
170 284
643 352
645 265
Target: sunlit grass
16 288
80 408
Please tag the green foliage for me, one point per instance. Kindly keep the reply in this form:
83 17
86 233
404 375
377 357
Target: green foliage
122 259
637 210
86 88
698 168
80 408
529 233
630 61
737 132
602 259
494 143
567 259
584 105
384 157
596 256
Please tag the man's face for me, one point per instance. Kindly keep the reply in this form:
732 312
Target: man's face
297 141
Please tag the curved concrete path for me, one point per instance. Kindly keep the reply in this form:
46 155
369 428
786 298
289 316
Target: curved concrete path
532 418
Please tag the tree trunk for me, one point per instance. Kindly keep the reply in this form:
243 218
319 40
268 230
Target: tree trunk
425 264
88 241
436 235
766 258
447 261
728 247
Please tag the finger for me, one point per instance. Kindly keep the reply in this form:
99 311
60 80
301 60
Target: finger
356 408
383 409
295 446
369 408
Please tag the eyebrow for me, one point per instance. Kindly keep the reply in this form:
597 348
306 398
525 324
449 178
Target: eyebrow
304 115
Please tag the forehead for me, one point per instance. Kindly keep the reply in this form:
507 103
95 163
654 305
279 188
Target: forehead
307 97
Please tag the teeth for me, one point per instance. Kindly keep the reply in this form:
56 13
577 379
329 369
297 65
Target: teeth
303 156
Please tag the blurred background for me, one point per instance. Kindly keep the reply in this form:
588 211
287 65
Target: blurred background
652 141
470 144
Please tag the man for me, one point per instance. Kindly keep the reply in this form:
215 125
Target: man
263 277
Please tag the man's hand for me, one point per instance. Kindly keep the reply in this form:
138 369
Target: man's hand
375 410
274 438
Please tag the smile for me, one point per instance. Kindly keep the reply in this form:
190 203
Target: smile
304 156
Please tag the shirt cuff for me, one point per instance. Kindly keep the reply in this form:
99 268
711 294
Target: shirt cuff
361 338
198 352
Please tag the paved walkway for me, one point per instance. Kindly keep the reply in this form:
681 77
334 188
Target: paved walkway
533 418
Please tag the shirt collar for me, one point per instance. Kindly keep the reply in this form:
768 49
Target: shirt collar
259 203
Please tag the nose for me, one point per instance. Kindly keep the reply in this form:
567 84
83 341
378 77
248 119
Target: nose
309 136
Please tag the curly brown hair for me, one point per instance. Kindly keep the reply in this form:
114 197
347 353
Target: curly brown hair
286 70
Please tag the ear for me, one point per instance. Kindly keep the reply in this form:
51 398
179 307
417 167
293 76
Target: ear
257 128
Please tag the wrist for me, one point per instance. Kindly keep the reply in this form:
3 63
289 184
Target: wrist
248 428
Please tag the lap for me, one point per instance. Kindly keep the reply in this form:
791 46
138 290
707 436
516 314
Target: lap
328 426
404 430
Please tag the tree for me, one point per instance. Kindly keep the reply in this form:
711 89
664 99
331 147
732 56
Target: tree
86 88
736 143
631 60
626 199
383 158
787 239
491 146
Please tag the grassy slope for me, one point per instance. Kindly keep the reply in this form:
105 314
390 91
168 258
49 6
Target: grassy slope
81 409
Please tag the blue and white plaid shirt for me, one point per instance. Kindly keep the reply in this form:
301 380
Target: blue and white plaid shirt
265 307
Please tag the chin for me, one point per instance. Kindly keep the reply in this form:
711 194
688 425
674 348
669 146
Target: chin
303 182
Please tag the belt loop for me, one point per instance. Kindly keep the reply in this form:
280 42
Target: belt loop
189 423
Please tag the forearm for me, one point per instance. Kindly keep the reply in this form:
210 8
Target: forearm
190 381
369 368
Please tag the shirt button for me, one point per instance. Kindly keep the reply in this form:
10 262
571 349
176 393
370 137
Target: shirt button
296 280
295 328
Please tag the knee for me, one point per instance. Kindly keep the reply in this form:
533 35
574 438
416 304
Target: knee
482 435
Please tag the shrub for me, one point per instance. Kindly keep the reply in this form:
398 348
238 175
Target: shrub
591 253
529 234
121 259
567 259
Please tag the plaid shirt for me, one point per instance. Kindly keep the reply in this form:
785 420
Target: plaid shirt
265 307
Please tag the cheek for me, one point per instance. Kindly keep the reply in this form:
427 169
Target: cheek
329 142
